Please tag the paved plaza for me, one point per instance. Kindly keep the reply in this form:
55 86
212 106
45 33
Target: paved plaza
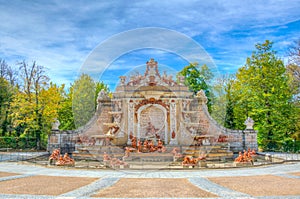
23 180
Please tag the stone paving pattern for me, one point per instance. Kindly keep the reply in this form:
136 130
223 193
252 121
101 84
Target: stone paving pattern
153 188
218 182
263 185
43 185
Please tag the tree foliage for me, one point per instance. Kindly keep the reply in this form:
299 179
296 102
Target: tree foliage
220 105
293 70
83 100
65 113
35 105
30 103
261 91
7 90
197 78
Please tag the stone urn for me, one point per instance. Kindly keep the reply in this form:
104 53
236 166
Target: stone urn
249 123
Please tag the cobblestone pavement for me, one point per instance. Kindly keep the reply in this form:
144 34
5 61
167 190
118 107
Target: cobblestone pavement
110 177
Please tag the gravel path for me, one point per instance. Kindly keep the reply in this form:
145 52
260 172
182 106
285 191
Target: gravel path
215 188
280 181
91 188
264 185
153 188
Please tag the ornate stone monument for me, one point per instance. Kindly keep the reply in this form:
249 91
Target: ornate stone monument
153 107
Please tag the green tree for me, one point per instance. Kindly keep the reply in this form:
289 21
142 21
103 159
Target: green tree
83 100
5 100
261 91
7 90
100 86
35 105
229 114
220 101
66 116
293 70
197 78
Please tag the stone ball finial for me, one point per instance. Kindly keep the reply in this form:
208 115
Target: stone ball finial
249 123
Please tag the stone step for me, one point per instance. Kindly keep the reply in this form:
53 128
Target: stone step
220 154
107 149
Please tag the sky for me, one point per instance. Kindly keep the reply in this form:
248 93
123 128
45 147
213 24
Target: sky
69 36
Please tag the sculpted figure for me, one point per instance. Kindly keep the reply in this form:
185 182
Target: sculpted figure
239 158
145 146
127 152
139 146
159 144
60 161
54 156
245 156
253 152
68 160
133 142
106 157
174 151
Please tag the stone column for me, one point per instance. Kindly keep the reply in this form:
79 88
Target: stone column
130 120
173 130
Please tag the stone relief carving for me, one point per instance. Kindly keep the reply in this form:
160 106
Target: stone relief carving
186 117
102 95
122 80
117 105
201 95
186 105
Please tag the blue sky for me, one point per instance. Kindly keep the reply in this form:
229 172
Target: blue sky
61 35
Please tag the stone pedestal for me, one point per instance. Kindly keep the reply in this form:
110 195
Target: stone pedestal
173 142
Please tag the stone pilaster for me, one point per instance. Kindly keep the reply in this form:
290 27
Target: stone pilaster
173 122
130 120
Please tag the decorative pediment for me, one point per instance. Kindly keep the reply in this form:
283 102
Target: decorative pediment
151 77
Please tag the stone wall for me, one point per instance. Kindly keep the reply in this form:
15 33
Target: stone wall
63 140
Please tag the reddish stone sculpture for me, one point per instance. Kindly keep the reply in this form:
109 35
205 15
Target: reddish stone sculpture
189 161
106 157
127 152
139 146
68 160
246 157
54 156
133 142
65 161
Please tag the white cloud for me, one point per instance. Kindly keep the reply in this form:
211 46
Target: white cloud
60 34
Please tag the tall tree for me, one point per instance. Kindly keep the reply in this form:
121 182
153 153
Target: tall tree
293 70
229 113
294 54
66 116
83 100
197 78
261 91
221 100
28 105
5 100
7 89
